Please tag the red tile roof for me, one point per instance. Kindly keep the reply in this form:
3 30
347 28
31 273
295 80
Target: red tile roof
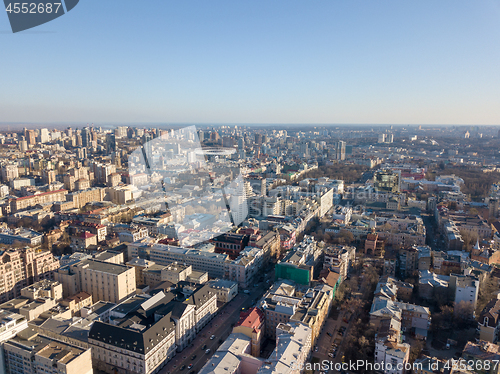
252 318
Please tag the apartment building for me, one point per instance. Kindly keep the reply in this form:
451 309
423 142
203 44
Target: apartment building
284 303
95 228
32 353
21 267
413 318
466 290
20 235
226 290
339 259
10 324
44 288
389 349
140 264
251 323
293 348
212 263
81 198
246 267
103 280
230 356
25 202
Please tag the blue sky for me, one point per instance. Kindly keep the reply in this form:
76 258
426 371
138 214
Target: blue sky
127 61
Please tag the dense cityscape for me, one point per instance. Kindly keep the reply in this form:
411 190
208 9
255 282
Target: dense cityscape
250 249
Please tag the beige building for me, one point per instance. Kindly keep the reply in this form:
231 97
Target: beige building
39 199
103 280
81 198
176 272
44 288
226 290
30 353
140 264
21 267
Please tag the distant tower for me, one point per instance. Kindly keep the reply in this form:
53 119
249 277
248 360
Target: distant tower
340 150
493 208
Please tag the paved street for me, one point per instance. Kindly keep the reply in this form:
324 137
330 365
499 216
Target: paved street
220 326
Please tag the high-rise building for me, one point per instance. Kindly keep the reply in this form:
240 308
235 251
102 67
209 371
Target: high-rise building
111 142
340 150
9 172
86 137
44 135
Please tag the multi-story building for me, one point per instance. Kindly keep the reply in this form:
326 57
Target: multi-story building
414 318
466 291
480 353
387 180
9 172
246 267
139 342
25 202
339 259
95 228
389 349
20 235
489 322
212 263
294 341
32 353
283 303
21 267
298 265
81 198
10 324
251 324
230 244
103 280
226 290
45 288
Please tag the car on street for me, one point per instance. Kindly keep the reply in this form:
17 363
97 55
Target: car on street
212 337
246 291
204 347
193 357
182 367
207 351
329 333
190 366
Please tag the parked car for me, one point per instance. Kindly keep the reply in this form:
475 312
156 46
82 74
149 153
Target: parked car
182 367
193 357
